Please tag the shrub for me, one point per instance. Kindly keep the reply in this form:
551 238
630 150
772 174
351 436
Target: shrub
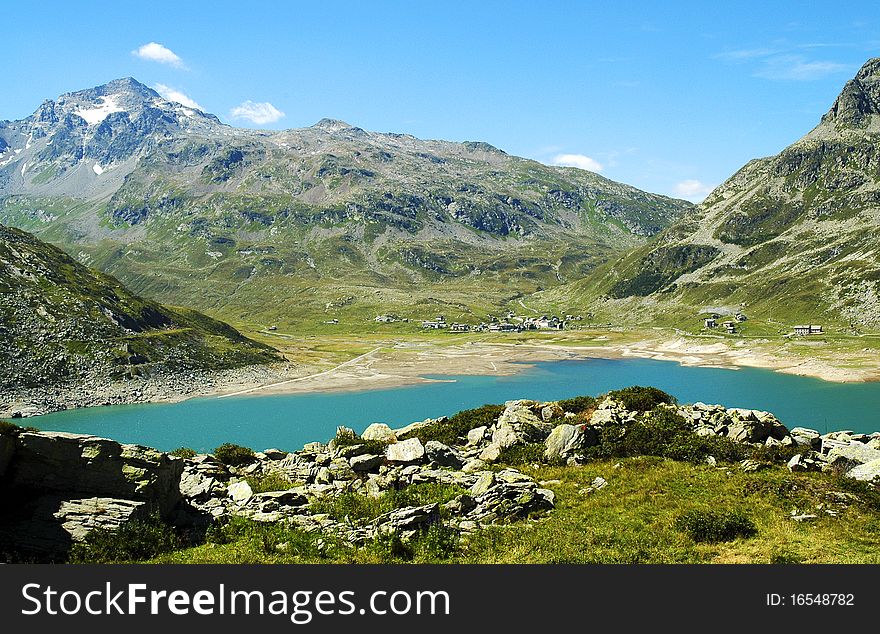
578 404
522 454
234 455
183 452
133 541
641 399
715 526
268 482
458 425
438 543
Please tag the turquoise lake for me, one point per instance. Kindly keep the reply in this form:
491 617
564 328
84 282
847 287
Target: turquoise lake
289 421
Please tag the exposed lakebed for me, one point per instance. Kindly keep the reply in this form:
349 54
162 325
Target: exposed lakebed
289 421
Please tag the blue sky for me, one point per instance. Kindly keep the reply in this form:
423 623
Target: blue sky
671 97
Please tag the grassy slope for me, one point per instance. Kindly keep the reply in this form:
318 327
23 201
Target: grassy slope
631 520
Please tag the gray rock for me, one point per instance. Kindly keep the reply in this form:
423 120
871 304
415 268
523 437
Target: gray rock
81 516
472 466
366 462
852 454
443 455
99 467
476 435
867 472
240 492
491 453
379 431
406 452
565 440
407 520
485 482
275 454
808 437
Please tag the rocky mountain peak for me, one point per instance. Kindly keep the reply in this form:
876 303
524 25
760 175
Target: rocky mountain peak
859 99
333 125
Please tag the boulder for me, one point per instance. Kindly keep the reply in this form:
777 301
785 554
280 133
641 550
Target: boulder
443 455
853 454
406 521
406 452
240 492
867 472
491 453
485 482
379 431
565 440
81 516
366 462
476 435
807 437
99 467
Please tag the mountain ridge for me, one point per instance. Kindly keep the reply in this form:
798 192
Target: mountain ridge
792 234
189 210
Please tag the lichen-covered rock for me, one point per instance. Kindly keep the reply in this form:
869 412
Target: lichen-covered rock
379 431
99 467
405 452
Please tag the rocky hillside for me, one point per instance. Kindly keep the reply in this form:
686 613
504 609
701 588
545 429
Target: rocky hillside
790 236
136 185
446 482
62 323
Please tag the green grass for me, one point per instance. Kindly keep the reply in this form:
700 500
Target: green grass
633 520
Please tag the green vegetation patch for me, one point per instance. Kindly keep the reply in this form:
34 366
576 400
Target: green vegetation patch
454 429
715 526
234 455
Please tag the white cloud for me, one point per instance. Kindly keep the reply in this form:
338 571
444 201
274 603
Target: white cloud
578 160
155 52
171 94
259 113
692 189
798 68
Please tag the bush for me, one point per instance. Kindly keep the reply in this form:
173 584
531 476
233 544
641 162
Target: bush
438 543
522 454
268 482
234 455
641 399
183 452
459 425
133 541
715 526
356 506
578 404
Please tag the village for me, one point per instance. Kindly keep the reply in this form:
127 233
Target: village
730 325
510 323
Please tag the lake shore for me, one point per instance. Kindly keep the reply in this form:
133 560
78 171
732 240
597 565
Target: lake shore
406 362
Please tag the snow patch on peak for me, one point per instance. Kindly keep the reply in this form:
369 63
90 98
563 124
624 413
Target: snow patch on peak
97 169
106 106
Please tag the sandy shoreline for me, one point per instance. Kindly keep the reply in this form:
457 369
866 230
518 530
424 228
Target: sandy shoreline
402 363
411 363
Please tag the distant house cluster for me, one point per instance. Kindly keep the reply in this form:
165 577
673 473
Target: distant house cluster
728 325
511 323
809 329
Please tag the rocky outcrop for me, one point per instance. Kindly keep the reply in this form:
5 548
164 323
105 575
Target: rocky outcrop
66 485
63 485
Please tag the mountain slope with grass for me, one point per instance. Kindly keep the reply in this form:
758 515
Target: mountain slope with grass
328 219
62 323
791 237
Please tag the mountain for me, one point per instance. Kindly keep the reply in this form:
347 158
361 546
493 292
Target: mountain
186 209
794 236
61 322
